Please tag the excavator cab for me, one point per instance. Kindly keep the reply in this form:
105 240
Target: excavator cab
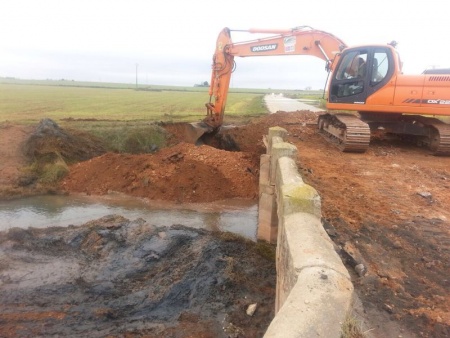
359 73
369 80
366 79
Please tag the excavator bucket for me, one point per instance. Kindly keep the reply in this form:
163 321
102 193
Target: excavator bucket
194 132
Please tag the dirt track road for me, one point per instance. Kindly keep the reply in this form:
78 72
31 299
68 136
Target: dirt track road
277 102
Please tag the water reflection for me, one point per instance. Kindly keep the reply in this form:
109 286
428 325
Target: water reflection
238 216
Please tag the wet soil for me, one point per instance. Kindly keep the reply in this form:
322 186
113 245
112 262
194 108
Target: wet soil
386 209
114 277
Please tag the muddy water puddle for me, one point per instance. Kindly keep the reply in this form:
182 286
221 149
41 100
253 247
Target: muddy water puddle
237 216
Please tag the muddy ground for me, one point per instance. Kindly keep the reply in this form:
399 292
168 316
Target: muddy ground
386 208
114 277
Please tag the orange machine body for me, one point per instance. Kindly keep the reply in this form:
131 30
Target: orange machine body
395 92
297 41
380 87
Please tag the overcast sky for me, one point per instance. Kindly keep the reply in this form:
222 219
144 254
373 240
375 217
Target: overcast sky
172 41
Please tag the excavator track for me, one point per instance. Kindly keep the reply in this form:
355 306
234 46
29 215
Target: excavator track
348 132
439 139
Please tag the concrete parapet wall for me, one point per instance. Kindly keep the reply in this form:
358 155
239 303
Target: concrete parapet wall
293 195
267 211
314 291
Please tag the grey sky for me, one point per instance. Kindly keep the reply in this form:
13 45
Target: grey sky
172 41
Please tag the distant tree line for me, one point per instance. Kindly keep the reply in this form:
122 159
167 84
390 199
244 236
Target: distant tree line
202 84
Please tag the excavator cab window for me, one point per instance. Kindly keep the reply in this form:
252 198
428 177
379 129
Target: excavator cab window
380 67
360 73
352 72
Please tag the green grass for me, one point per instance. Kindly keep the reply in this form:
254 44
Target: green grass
29 103
136 139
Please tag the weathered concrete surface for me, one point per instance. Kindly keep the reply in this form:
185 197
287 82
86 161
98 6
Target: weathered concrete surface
303 244
267 214
309 244
314 291
292 194
315 307
275 135
280 150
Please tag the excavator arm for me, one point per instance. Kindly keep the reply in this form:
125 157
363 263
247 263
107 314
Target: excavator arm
297 41
366 79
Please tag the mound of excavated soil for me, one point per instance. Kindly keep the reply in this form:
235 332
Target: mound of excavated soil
41 145
12 140
182 173
49 138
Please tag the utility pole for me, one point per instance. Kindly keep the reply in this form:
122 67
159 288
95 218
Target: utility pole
136 75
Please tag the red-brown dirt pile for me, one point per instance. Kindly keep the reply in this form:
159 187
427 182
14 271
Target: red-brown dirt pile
182 173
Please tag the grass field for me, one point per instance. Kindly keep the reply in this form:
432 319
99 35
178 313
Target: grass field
29 103
120 114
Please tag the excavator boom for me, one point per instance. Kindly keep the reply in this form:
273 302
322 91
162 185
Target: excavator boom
297 41
365 79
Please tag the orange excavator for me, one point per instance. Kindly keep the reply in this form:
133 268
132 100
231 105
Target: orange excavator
365 79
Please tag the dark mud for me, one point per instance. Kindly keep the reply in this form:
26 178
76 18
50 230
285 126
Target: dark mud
119 278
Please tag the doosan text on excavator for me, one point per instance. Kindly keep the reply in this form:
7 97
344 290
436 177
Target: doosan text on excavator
366 79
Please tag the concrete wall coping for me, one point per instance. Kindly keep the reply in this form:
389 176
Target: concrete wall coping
315 307
310 245
314 289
